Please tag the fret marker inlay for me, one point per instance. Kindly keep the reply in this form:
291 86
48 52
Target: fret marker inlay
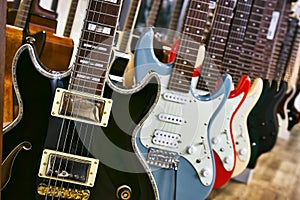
99 29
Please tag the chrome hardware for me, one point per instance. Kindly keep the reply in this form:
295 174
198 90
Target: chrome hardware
77 106
68 168
163 159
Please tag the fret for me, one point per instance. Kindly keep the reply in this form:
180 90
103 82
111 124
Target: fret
94 51
192 33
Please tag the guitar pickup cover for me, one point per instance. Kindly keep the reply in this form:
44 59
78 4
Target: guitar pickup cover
68 168
83 107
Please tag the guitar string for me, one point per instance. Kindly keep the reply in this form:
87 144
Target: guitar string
62 127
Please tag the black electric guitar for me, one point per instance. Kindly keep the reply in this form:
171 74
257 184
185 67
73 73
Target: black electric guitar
79 147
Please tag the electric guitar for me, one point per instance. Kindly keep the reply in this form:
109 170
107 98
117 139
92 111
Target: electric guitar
222 135
285 54
174 140
262 126
76 144
232 66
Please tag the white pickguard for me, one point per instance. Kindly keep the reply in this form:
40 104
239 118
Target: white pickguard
190 131
240 128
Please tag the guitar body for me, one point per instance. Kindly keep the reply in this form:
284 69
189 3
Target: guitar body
282 113
293 114
34 92
262 125
37 130
185 138
240 129
222 137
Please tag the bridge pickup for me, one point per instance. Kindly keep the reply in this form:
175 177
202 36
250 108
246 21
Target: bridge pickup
165 138
68 168
87 108
162 159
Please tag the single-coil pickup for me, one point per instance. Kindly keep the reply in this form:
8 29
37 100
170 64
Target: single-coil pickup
175 98
170 118
167 139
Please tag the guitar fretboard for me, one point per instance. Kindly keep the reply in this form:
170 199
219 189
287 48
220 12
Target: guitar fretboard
253 48
235 41
286 49
92 59
153 13
129 25
210 71
286 7
192 33
174 21
70 19
293 68
23 13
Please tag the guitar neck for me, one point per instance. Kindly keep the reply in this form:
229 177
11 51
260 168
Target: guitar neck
235 40
293 64
23 13
282 29
174 21
192 33
210 71
286 49
93 55
129 26
153 13
70 19
253 48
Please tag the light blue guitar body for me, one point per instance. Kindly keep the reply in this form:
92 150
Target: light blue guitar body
180 168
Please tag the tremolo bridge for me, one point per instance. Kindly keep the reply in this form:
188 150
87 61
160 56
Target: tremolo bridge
83 107
163 159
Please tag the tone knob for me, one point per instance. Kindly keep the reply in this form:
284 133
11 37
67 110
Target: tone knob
243 151
205 172
191 150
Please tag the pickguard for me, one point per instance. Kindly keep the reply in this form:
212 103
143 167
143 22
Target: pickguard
178 125
240 129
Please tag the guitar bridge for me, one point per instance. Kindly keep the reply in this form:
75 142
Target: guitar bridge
68 168
87 108
163 159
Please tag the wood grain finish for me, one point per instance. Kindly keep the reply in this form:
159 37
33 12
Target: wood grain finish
14 40
2 57
276 176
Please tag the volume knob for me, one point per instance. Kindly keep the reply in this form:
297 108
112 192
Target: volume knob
205 172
